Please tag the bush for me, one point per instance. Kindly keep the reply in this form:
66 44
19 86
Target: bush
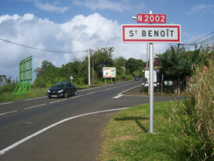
8 88
197 121
129 77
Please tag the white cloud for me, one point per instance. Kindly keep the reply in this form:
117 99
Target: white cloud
202 8
50 7
103 4
79 34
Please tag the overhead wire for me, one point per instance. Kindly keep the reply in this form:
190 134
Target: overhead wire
30 47
201 40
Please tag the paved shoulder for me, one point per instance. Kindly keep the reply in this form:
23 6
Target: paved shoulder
77 140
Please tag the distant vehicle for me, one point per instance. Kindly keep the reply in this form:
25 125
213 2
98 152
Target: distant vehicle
62 89
137 78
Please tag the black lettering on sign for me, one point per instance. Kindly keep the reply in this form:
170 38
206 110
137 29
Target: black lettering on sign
131 33
162 33
150 33
143 33
156 33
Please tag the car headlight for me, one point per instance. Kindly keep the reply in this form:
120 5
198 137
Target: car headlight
49 91
60 91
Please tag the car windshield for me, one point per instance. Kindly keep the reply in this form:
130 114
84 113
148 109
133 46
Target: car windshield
58 85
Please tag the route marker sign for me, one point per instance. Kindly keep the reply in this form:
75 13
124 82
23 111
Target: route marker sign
151 18
151 33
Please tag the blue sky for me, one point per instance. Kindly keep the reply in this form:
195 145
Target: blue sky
76 25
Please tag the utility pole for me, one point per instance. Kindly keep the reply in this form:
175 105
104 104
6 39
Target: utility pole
89 69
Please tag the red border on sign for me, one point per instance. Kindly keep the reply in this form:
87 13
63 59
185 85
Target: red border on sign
151 40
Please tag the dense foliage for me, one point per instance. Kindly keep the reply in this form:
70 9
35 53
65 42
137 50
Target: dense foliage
48 74
195 116
177 62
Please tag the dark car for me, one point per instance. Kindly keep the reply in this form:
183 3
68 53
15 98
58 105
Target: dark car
62 89
137 78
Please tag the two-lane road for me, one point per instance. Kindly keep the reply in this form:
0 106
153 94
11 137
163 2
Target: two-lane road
21 118
31 117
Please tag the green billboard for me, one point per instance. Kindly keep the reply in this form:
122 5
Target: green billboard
25 76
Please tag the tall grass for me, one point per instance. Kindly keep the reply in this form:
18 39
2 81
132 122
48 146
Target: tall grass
195 115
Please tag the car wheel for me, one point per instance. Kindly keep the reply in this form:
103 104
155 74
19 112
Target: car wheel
65 94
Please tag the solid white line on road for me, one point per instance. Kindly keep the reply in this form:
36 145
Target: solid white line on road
3 151
118 96
130 88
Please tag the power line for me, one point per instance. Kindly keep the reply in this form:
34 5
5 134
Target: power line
205 36
202 40
30 47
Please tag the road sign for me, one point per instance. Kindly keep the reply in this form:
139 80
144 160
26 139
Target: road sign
151 18
151 33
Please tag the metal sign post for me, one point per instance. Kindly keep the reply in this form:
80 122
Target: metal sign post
151 86
149 34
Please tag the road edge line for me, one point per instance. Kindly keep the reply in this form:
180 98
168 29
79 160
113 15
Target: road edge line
3 151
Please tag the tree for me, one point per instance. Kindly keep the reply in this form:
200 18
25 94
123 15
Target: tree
133 65
176 65
102 58
120 61
40 70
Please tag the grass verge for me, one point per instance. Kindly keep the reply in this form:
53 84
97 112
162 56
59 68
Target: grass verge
126 137
36 92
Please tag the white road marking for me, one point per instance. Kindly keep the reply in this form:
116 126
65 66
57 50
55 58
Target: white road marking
89 93
30 99
8 112
34 106
118 96
130 88
5 103
58 101
3 151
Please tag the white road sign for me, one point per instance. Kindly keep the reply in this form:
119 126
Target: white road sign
151 33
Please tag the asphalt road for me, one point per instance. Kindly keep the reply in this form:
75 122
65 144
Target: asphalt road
62 128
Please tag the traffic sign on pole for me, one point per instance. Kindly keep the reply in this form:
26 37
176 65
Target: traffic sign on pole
151 18
151 33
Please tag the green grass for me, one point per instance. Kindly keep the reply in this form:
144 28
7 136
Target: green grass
37 92
126 137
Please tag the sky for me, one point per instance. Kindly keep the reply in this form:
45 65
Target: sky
62 31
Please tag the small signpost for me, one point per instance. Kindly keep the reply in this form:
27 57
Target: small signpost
151 33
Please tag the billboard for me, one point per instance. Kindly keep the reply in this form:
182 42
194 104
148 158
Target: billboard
25 69
109 72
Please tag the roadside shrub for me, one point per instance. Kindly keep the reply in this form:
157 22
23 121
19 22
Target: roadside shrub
8 88
195 115
129 77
